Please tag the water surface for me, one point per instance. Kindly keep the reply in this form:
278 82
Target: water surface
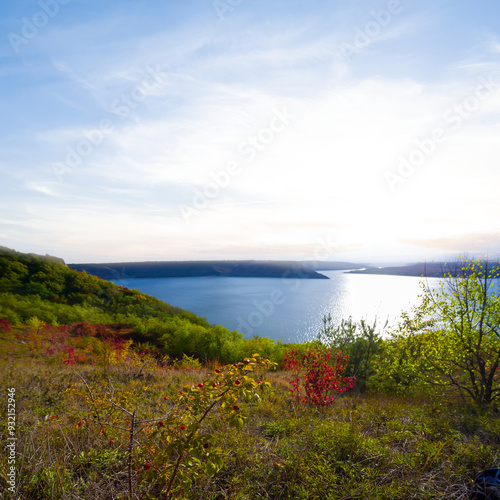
291 309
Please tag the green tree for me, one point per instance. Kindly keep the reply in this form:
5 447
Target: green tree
360 341
454 339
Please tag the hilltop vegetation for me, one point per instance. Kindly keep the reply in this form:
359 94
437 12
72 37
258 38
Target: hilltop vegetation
451 343
44 289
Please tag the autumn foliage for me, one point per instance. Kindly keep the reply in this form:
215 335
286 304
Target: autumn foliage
318 376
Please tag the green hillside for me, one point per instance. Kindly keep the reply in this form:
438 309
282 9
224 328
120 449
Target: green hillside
43 288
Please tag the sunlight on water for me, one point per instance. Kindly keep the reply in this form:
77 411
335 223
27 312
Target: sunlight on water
383 297
370 297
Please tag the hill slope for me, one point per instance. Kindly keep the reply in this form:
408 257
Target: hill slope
45 289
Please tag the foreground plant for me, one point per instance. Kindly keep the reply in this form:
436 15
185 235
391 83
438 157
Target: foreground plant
174 447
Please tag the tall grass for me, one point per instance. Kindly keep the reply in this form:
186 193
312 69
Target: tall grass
364 447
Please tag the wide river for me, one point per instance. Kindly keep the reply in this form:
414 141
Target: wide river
291 309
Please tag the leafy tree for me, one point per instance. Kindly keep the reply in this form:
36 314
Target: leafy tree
359 341
454 339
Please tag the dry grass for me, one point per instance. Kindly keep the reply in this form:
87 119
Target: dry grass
366 446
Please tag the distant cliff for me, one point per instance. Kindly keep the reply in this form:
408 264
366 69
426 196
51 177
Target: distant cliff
241 269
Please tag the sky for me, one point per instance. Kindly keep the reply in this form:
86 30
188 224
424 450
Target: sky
366 131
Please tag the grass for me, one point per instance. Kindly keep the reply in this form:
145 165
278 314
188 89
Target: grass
366 446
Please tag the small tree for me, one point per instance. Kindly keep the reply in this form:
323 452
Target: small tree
456 340
359 341
174 444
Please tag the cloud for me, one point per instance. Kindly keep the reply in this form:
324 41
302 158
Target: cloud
471 242
322 175
45 189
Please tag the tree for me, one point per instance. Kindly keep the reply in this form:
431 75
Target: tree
455 341
359 341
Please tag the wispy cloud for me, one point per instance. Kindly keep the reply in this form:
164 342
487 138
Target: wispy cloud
351 118
472 242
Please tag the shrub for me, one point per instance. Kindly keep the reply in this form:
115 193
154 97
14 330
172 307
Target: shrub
175 446
323 376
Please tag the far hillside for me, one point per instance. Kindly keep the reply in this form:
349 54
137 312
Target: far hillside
188 269
422 269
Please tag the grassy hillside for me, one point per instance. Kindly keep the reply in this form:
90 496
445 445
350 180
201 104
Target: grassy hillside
364 447
38 288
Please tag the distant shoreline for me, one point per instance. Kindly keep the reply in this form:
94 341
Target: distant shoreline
257 269
424 270
188 269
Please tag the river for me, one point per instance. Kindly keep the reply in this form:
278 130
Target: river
287 309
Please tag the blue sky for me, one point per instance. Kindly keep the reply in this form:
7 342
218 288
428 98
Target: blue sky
320 130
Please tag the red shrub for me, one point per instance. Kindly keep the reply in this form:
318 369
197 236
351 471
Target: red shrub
4 325
323 376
